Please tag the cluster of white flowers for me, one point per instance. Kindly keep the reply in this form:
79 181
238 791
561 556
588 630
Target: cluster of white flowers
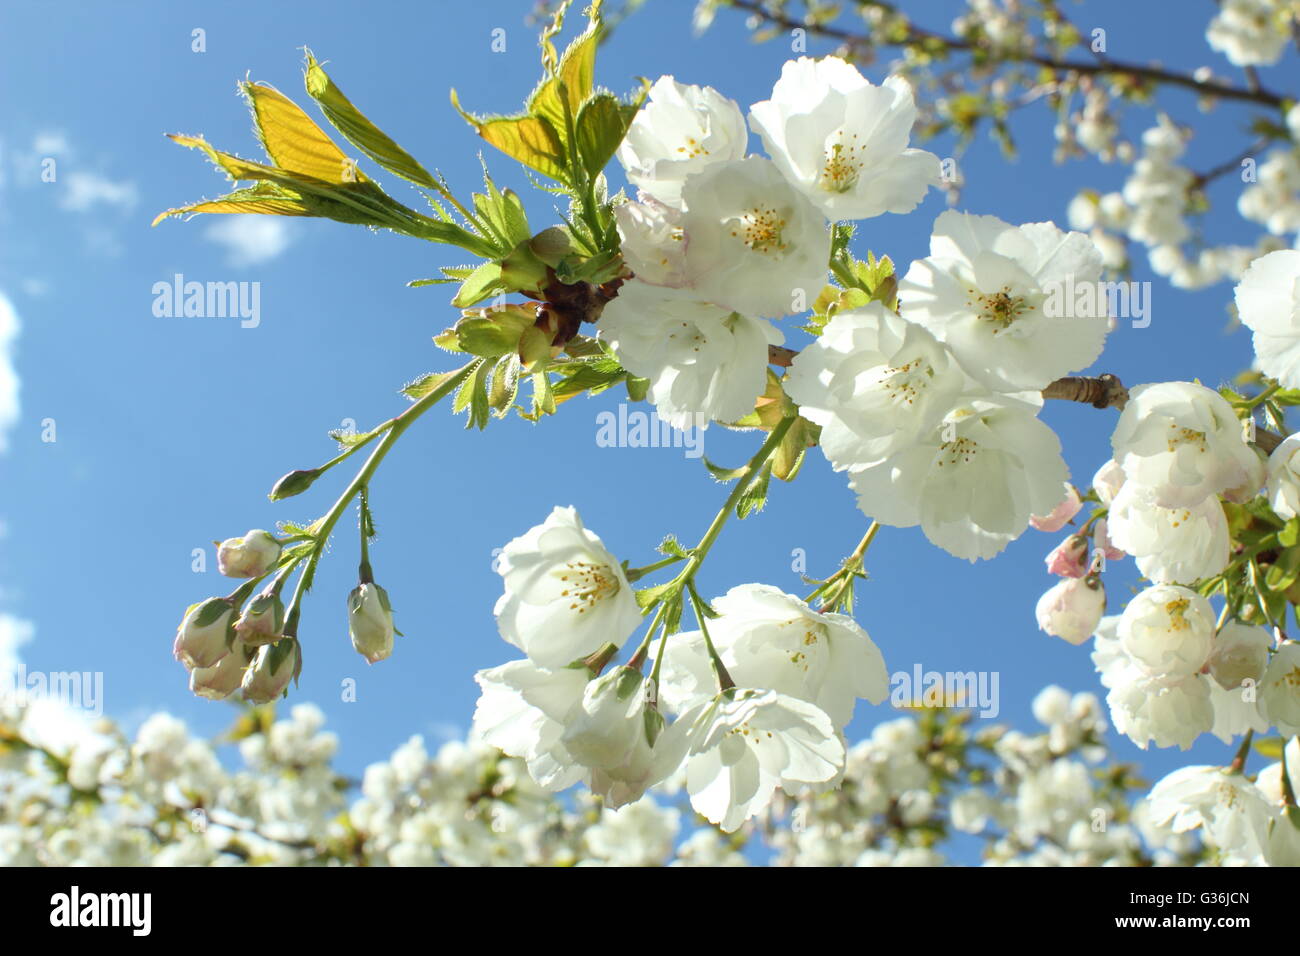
1044 799
933 413
1247 822
793 675
1251 32
722 242
78 792
1152 210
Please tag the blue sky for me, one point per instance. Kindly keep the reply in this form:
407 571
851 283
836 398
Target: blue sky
170 431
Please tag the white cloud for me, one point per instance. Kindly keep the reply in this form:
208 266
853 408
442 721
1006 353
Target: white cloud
250 239
13 635
8 376
83 191
48 143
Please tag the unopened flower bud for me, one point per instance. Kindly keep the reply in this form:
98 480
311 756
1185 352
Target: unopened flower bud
294 483
262 621
248 557
370 622
272 669
1240 654
1069 559
1072 608
204 635
223 678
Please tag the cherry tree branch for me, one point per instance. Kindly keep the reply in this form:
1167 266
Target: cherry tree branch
914 35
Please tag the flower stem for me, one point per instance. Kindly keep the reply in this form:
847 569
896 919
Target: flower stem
322 528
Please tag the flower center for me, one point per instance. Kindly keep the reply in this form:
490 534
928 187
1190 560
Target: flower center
1000 308
842 166
692 148
905 383
588 584
1186 436
957 451
1177 611
760 228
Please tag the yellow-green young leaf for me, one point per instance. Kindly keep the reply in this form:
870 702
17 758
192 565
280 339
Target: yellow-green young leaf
504 385
504 213
293 140
265 199
360 132
602 124
528 139
560 95
481 283
790 454
357 201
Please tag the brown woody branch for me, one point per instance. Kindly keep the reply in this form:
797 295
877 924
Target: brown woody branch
1101 67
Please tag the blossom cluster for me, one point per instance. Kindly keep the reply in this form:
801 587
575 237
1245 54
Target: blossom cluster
79 792
759 700
931 412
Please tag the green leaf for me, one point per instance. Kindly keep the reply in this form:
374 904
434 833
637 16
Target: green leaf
672 547
482 283
649 597
359 130
755 496
723 475
543 397
528 139
504 385
592 375
559 97
480 412
602 123
504 213
426 384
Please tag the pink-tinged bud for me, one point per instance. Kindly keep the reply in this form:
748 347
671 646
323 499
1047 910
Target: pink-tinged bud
205 633
269 675
248 557
223 678
1061 515
1101 542
1069 559
262 621
1072 609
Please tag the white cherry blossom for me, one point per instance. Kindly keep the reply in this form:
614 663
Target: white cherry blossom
973 482
680 131
1182 442
753 243
1016 304
565 595
843 140
705 363
874 382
